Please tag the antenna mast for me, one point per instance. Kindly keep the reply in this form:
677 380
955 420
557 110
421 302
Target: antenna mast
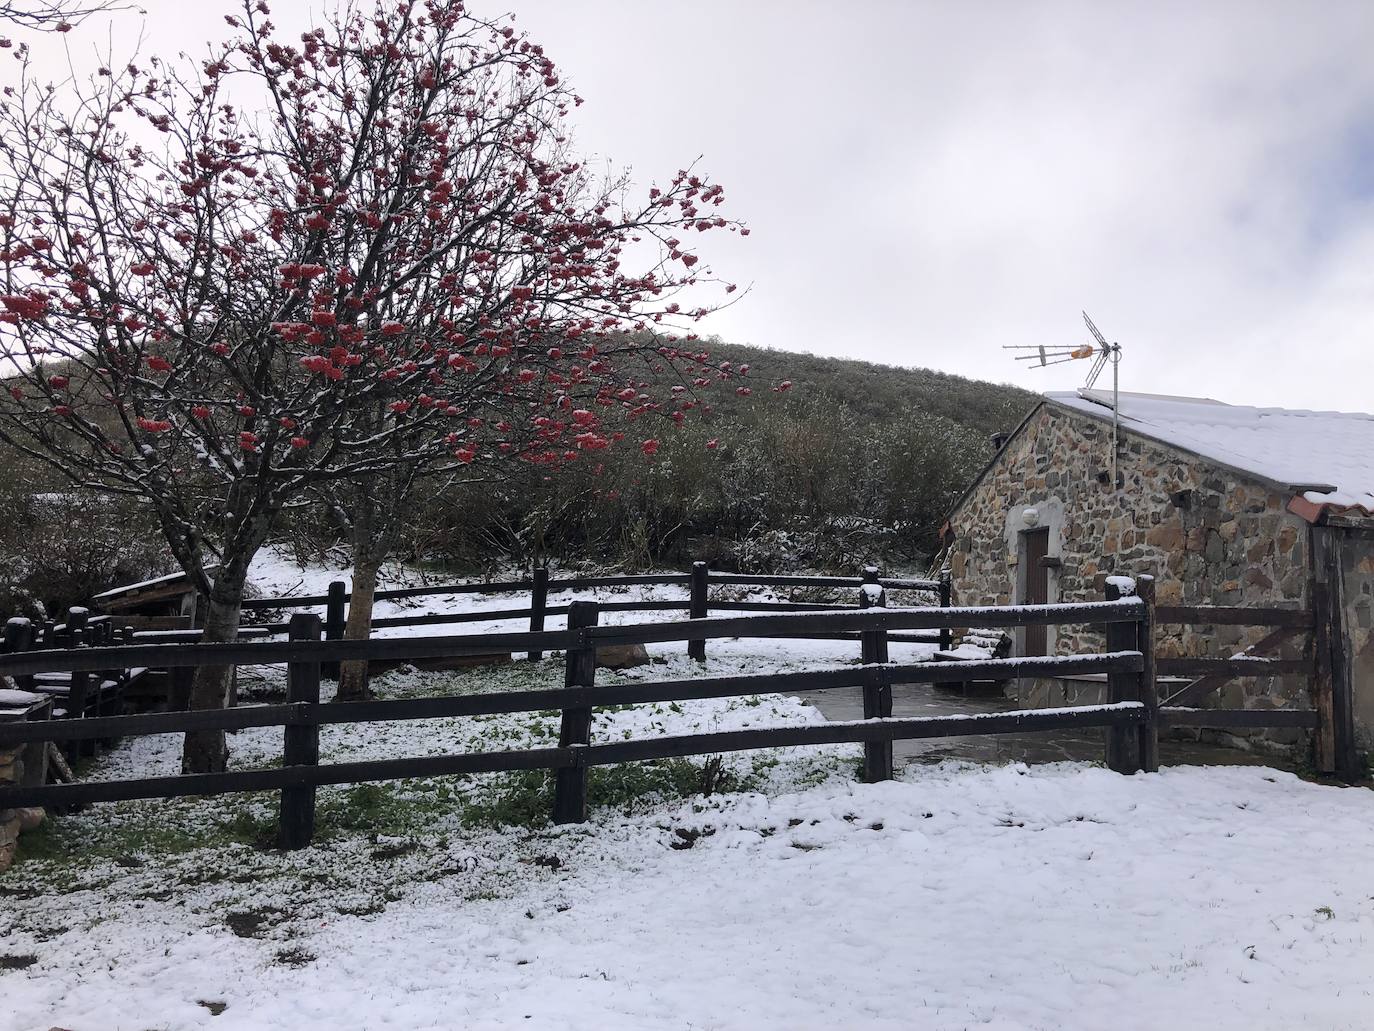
1108 353
1101 353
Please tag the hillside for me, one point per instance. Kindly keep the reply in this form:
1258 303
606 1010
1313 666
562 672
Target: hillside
856 462
875 392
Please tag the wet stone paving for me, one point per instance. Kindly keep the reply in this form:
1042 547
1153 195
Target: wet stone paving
1079 745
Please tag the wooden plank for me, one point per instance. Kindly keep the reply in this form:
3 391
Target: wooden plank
1186 717
1244 666
335 622
1021 721
1230 615
555 698
576 758
900 584
946 638
475 616
301 744
582 583
697 609
1191 694
787 624
1149 685
1347 757
279 778
143 724
393 594
539 600
749 579
575 732
774 606
877 690
167 656
1320 543
1123 743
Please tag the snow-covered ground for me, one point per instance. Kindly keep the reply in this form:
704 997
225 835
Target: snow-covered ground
1004 897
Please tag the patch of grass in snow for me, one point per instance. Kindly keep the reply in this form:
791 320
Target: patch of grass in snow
525 798
128 832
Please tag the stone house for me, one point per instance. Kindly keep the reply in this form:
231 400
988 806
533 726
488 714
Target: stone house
1223 504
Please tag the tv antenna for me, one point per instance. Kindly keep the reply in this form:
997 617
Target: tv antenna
1102 353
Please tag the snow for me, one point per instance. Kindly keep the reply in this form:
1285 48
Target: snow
1327 456
129 588
1052 897
1124 584
10 698
1012 898
276 574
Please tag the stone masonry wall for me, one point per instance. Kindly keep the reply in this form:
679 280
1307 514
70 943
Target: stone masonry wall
1208 535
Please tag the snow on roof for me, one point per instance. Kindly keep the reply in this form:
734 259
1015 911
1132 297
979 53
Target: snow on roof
142 585
1327 457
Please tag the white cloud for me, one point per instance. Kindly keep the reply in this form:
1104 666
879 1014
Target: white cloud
929 181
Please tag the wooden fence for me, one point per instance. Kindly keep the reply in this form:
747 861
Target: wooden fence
1321 665
698 604
1132 715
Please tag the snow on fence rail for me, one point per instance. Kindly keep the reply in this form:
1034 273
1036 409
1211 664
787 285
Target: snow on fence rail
697 605
1132 715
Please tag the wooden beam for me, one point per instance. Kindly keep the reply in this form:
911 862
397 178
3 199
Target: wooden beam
1195 692
1229 615
301 747
784 625
1244 666
575 732
1185 717
492 703
1123 743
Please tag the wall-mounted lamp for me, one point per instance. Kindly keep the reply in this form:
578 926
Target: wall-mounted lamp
1030 517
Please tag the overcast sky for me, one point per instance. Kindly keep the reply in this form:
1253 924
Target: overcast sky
926 182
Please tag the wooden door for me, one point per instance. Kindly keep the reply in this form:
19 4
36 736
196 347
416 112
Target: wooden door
1035 547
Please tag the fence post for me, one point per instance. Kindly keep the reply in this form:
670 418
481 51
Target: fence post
946 599
301 744
570 782
877 690
1337 751
179 695
697 649
335 619
1149 685
19 637
539 601
1123 743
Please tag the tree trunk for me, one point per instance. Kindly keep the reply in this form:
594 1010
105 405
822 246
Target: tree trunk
205 751
353 676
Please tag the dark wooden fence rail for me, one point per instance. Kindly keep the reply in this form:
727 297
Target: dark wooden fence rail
698 603
1132 716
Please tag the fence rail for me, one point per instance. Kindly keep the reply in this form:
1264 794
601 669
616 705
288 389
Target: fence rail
1132 715
698 604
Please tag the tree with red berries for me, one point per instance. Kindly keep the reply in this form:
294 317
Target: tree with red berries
389 260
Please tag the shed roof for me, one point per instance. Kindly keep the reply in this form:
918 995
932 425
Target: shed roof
1325 457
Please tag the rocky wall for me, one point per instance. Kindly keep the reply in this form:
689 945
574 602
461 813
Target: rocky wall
1209 536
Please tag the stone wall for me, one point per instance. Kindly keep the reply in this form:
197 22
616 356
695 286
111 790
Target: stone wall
1210 537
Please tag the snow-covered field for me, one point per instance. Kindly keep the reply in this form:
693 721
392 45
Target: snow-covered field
959 896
